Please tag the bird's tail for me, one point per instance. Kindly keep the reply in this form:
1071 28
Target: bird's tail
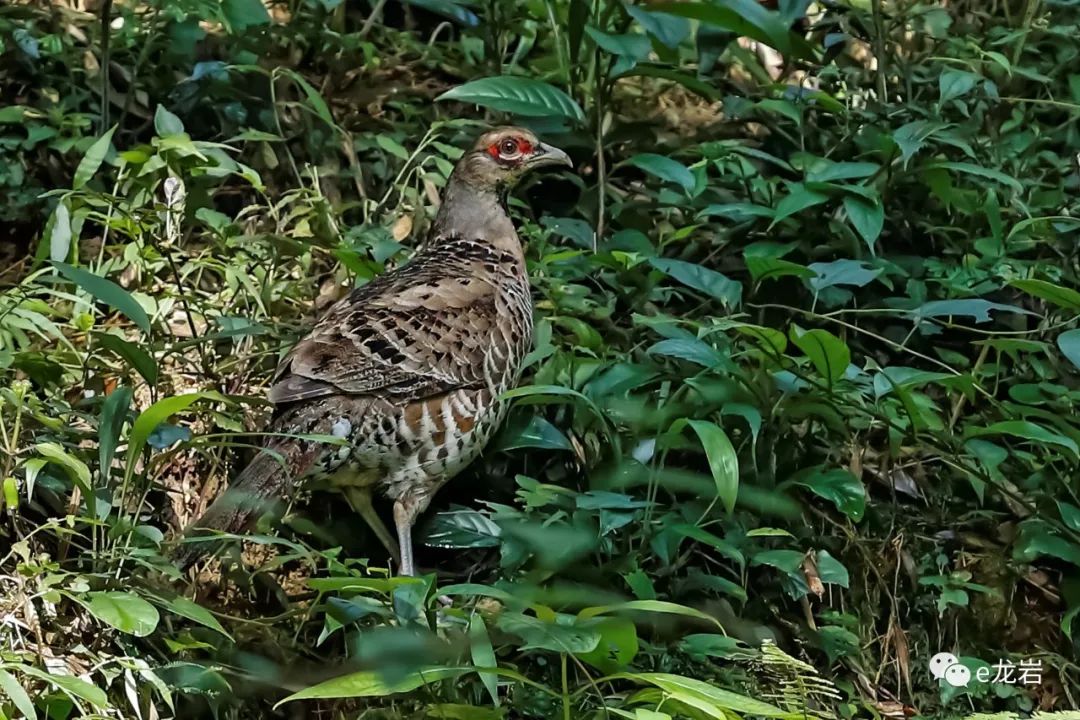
267 480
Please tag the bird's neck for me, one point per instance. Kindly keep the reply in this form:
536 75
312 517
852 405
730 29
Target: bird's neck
475 213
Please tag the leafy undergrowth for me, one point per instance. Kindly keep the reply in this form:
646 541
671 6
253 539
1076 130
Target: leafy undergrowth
800 413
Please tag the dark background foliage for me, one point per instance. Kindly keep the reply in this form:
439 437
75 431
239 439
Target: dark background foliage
800 414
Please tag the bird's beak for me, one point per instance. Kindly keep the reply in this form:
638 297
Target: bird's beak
549 155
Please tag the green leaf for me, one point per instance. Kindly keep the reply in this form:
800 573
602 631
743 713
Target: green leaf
911 137
839 487
166 124
701 278
483 655
742 17
18 695
706 697
125 611
867 217
652 606
1070 515
1069 344
769 268
975 308
151 417
629 45
72 686
723 462
842 272
1063 297
980 172
828 353
670 31
370 683
541 635
193 611
788 561
618 644
108 292
132 354
113 414
76 468
666 169
956 83
517 95
242 14
462 529
314 98
831 570
689 349
799 198
539 433
1027 430
92 160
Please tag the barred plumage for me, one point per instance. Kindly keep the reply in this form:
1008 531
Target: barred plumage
407 369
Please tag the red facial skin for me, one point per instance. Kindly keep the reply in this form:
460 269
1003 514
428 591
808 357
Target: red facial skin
524 148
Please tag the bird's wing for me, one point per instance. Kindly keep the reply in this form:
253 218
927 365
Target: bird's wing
414 332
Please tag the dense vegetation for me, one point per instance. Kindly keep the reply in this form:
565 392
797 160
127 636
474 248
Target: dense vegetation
800 415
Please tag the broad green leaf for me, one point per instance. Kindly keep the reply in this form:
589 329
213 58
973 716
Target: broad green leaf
1063 297
980 172
76 468
867 217
1070 514
629 45
125 611
910 138
452 9
517 95
370 683
839 487
617 647
689 349
92 160
828 353
788 561
768 268
1069 344
666 169
742 17
701 278
108 292
956 83
832 571
166 124
799 198
72 686
314 98
483 655
151 417
539 433
670 31
19 697
842 272
833 171
193 611
543 635
242 14
975 308
462 529
723 462
1027 430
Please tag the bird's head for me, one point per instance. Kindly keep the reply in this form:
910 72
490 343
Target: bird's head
500 157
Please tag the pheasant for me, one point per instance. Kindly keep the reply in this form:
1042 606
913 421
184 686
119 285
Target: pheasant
405 372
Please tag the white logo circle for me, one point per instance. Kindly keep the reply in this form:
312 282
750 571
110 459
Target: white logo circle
942 662
957 675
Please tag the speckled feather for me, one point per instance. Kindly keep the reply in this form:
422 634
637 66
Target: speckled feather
405 370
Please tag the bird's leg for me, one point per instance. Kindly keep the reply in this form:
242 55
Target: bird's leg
360 500
404 516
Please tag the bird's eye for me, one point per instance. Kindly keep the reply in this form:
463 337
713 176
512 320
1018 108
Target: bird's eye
508 147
